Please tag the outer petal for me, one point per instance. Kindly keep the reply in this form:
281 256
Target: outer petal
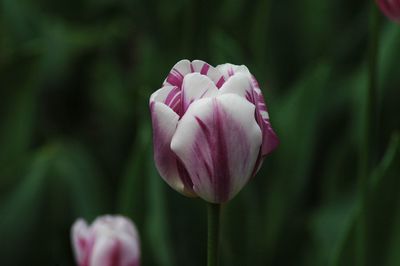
170 95
238 86
270 139
196 86
106 252
131 251
164 122
117 242
82 242
161 95
218 140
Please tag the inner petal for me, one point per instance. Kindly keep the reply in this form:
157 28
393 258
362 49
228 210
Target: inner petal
205 69
238 84
196 86
228 70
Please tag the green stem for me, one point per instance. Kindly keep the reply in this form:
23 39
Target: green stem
370 134
213 233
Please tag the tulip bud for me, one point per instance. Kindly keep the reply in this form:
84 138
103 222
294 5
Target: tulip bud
391 8
211 129
109 241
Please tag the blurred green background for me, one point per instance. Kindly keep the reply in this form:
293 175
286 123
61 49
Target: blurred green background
75 135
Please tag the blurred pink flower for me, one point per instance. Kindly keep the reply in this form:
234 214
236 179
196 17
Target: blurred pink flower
211 129
391 8
109 241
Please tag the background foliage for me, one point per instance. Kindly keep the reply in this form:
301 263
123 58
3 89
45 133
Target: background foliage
75 136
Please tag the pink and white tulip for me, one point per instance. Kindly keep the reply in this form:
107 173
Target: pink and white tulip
391 8
109 241
211 129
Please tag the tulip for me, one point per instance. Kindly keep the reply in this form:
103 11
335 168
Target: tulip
211 129
109 241
391 8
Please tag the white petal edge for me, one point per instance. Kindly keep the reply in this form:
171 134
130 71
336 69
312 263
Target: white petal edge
214 74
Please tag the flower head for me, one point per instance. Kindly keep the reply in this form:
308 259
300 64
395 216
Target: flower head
211 129
109 241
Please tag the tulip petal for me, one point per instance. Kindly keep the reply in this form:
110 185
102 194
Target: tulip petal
196 86
117 242
106 252
178 72
238 84
206 69
82 242
115 250
270 139
131 250
218 142
165 121
184 67
228 70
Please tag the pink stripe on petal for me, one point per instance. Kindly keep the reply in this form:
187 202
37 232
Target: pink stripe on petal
218 173
184 175
82 242
104 251
218 141
255 82
108 241
170 96
270 139
208 70
204 69
176 104
173 100
115 254
230 72
220 82
173 94
178 72
175 78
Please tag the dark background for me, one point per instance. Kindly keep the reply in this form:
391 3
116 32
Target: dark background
75 135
